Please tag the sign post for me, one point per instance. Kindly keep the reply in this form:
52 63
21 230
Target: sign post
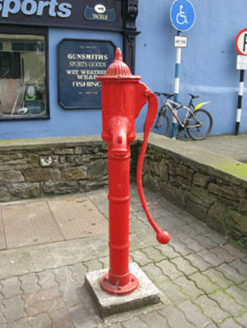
241 47
182 15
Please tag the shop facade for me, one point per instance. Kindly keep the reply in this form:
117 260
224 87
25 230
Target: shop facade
51 51
50 54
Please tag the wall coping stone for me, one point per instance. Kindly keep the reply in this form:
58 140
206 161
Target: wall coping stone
13 144
214 164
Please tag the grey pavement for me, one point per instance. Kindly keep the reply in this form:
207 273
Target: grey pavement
231 146
201 277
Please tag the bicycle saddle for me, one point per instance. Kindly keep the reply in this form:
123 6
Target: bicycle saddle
192 96
167 95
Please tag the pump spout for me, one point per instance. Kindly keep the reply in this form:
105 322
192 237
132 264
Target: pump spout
119 130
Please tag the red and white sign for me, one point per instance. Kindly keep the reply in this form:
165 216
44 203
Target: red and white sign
241 42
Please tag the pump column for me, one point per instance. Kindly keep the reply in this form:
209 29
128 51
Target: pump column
119 219
119 280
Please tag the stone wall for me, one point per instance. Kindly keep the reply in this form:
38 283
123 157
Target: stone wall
211 187
43 167
207 185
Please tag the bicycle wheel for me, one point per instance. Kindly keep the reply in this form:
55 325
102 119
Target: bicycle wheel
163 125
199 124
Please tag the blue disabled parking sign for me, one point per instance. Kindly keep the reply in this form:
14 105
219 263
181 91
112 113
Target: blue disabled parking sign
182 15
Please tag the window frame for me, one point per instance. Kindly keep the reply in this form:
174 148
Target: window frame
31 30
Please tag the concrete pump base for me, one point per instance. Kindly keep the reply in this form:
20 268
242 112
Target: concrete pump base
146 294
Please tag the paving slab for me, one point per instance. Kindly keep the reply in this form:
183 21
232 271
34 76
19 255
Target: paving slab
78 217
231 146
29 224
2 234
201 280
42 222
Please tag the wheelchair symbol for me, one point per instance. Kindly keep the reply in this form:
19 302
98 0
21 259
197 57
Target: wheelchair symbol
181 18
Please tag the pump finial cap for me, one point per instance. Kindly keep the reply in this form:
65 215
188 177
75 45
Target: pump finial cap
118 68
118 55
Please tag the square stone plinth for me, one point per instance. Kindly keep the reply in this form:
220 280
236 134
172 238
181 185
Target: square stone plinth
146 294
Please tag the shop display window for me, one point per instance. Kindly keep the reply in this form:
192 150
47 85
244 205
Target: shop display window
23 77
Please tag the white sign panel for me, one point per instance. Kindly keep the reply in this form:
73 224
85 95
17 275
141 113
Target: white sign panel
242 62
180 41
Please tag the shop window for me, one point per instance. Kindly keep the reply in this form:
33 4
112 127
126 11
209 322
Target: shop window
23 76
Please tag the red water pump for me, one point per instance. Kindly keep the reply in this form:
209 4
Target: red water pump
123 96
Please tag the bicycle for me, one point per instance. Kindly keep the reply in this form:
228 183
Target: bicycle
197 121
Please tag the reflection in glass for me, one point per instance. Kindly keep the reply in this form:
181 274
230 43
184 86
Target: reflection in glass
22 76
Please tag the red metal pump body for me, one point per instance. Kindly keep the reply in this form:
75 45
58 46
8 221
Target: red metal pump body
123 96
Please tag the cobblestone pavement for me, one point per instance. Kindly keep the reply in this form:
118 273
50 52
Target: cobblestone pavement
201 277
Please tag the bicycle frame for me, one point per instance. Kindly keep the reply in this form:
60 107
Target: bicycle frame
169 104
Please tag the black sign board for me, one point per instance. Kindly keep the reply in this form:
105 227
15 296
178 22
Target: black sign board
87 14
100 13
79 62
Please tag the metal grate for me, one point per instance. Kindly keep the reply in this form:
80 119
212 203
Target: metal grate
78 217
29 224
41 222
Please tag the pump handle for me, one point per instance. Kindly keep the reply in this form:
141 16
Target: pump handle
162 236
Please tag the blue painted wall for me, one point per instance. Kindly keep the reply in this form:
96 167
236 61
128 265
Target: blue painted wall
62 122
208 68
208 65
